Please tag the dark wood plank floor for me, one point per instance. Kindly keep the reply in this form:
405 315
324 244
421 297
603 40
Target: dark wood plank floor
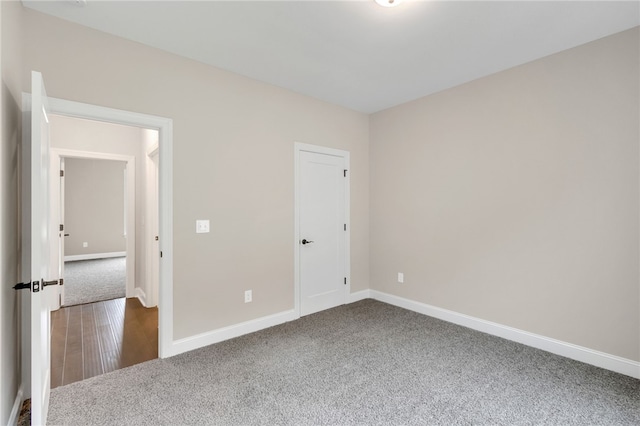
92 339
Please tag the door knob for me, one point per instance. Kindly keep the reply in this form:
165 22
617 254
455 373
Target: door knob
305 241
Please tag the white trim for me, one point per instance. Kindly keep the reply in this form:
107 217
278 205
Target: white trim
237 330
232 331
558 347
358 296
130 204
142 296
14 416
72 153
90 256
165 128
345 155
153 150
151 228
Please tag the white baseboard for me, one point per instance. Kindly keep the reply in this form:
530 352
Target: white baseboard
359 295
237 330
17 405
142 296
92 256
558 347
215 336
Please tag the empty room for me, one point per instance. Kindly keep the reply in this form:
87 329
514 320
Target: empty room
413 212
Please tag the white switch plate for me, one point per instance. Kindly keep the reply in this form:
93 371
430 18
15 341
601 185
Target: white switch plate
202 226
247 296
85 244
400 277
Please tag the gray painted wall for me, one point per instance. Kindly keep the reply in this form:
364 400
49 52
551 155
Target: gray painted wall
94 206
514 198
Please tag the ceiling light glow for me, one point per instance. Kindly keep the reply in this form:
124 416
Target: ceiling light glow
388 3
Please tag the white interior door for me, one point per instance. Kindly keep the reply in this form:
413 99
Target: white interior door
322 231
39 250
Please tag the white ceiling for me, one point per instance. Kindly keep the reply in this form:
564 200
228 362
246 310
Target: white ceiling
356 53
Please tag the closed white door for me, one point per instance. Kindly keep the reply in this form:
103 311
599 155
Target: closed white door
322 207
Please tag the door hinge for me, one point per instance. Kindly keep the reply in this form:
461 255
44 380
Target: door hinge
160 253
345 280
61 173
345 172
345 226
61 227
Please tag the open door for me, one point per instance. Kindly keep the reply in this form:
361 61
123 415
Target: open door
63 233
37 227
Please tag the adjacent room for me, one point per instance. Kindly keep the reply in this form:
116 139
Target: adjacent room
341 212
106 317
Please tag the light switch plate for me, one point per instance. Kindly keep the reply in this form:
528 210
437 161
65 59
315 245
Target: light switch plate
202 226
400 277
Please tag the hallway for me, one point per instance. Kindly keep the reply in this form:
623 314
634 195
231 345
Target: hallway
96 338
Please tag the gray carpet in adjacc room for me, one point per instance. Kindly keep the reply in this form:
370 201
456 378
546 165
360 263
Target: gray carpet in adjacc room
367 363
87 281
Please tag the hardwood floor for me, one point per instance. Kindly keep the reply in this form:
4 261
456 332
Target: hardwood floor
92 339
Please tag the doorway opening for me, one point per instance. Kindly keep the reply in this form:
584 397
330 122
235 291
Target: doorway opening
106 315
93 215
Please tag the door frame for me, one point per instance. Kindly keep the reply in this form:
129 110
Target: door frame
303 147
57 154
151 228
164 126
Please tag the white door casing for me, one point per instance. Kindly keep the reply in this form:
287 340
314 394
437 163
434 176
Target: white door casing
322 236
59 154
39 259
63 233
153 232
55 234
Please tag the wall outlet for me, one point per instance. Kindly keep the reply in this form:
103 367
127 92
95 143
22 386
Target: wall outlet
400 277
247 296
202 226
85 244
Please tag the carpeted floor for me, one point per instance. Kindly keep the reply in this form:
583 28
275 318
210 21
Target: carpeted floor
87 281
367 363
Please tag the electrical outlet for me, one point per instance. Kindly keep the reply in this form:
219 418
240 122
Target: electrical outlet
400 277
247 296
85 244
202 226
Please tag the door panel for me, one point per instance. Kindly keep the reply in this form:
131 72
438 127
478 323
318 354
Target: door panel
40 260
322 234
